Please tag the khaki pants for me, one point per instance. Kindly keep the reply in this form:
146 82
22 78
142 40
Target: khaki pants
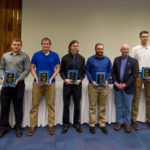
97 95
135 102
37 93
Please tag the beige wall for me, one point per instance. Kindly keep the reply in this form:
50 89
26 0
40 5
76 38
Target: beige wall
112 22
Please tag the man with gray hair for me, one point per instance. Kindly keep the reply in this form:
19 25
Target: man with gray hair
124 73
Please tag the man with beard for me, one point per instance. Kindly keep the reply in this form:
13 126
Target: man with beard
98 63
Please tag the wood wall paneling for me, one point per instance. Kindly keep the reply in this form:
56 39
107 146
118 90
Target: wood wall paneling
10 23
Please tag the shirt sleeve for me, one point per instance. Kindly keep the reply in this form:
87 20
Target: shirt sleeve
57 60
26 71
62 69
132 54
2 67
33 60
82 69
88 71
109 70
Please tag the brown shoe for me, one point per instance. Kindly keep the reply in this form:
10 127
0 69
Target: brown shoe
135 125
117 126
51 130
127 128
31 131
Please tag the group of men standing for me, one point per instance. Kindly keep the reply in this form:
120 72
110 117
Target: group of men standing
127 81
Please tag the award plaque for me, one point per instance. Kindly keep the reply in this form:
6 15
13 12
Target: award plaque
72 75
110 80
43 77
100 78
145 72
10 78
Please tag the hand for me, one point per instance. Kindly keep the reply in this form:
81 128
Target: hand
123 85
148 79
50 82
15 84
94 83
67 81
106 83
37 82
120 86
2 81
77 82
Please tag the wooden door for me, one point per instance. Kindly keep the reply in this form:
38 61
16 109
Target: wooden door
10 23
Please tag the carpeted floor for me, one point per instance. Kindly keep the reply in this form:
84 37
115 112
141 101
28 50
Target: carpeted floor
114 140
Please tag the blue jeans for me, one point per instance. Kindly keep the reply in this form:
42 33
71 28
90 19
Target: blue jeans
123 103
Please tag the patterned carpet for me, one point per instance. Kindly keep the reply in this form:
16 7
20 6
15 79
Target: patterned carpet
41 140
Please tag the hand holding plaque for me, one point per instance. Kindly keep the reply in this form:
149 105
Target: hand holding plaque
100 78
145 72
10 78
43 77
72 75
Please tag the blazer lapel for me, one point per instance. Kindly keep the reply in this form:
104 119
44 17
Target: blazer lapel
127 65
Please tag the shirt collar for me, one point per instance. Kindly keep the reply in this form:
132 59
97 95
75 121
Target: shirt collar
148 46
47 53
124 58
19 53
99 57
72 54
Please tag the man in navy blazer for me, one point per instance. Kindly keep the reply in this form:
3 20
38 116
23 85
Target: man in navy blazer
124 73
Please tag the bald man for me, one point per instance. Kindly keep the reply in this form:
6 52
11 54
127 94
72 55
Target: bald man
124 73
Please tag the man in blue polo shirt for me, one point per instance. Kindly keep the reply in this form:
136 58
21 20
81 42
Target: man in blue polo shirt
98 94
44 60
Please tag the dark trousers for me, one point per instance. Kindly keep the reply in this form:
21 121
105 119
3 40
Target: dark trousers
68 91
15 94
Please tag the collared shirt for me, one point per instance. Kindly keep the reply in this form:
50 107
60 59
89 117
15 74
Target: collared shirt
142 54
122 67
19 63
96 64
45 62
67 64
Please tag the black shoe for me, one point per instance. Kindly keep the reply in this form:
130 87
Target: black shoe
104 129
78 128
64 128
18 132
92 130
148 124
2 133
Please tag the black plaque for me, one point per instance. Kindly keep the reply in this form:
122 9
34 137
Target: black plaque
72 75
100 78
10 78
145 72
43 77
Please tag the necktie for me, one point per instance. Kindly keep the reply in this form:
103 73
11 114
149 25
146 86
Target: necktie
74 62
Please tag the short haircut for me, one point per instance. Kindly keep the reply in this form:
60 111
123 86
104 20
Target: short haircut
17 40
98 44
71 43
142 32
46 39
